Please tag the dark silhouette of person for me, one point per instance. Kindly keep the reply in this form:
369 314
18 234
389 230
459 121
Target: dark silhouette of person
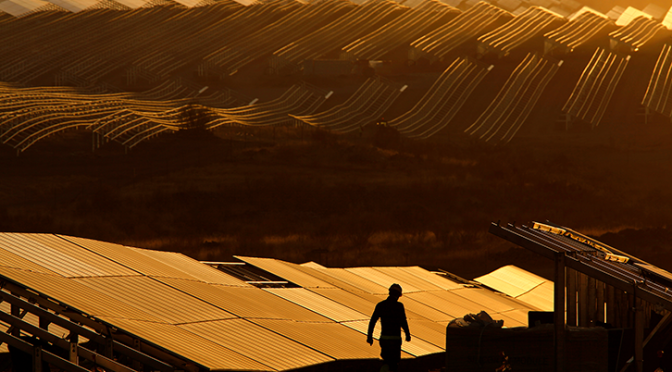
392 317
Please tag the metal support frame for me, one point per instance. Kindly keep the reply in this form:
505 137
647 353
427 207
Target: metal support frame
40 356
634 293
44 335
577 264
75 329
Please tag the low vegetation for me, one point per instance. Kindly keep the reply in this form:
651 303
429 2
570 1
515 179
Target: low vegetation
303 195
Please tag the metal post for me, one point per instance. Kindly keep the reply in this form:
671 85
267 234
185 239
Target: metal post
15 311
109 347
583 300
639 331
559 312
72 352
611 306
600 301
590 302
136 364
571 297
37 359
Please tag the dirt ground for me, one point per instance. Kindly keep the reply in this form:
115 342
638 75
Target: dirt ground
347 201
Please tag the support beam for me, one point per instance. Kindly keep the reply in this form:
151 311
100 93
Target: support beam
664 322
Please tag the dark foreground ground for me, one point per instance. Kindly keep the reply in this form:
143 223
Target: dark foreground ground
348 201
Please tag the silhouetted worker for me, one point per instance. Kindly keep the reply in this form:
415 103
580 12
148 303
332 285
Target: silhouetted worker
392 318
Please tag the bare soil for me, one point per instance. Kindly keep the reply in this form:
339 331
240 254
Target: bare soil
348 201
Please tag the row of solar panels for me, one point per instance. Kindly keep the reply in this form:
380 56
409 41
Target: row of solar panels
226 36
206 318
29 115
130 123
22 7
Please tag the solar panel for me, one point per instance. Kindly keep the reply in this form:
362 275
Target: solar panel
76 295
131 257
165 303
193 268
260 344
60 256
446 302
381 278
287 271
189 345
354 280
511 280
318 304
332 339
245 302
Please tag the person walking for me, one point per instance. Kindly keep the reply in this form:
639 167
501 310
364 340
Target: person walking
392 317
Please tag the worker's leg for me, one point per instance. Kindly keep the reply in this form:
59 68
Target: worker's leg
390 351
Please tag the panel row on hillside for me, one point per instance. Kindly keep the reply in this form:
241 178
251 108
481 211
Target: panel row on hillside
197 317
149 46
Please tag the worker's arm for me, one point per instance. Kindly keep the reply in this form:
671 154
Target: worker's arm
404 324
372 325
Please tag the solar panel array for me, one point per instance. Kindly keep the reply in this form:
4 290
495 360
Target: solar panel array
203 317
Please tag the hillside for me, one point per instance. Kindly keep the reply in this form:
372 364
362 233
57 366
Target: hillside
346 202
